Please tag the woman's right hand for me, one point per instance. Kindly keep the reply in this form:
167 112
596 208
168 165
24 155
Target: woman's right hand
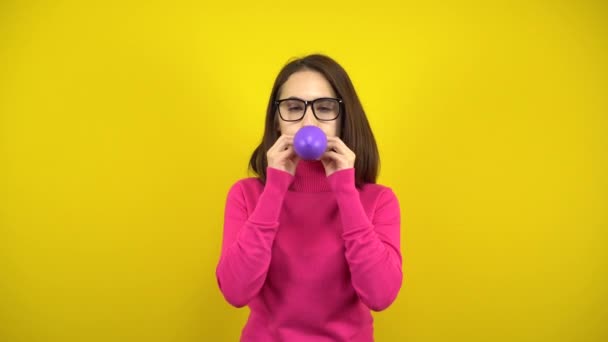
282 155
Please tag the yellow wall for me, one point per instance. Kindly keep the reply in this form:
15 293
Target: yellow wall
122 127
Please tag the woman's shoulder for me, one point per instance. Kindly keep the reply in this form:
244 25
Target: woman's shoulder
376 191
250 181
246 185
375 188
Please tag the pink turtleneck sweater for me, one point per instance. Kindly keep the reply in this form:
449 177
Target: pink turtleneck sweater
310 255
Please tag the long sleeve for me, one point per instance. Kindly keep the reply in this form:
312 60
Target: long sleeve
247 239
372 248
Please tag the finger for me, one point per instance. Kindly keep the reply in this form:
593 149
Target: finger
332 155
288 153
336 141
286 141
295 158
338 146
281 144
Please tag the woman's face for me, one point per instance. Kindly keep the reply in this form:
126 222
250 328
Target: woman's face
308 85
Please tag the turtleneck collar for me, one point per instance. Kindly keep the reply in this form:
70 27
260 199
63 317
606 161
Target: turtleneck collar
310 177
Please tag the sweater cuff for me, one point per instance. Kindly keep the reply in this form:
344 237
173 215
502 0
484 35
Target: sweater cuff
277 181
347 195
268 208
343 181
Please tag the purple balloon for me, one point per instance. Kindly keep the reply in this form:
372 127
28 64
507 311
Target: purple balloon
310 143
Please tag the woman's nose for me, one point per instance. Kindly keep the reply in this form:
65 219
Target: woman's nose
309 117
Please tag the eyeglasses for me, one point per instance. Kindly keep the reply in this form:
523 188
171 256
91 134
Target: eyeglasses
324 108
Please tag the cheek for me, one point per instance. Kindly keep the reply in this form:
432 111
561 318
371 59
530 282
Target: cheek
332 130
288 128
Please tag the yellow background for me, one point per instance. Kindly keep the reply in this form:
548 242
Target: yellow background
122 125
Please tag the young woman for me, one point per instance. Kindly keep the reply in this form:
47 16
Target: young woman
312 246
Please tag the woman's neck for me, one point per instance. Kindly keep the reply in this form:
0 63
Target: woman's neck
310 177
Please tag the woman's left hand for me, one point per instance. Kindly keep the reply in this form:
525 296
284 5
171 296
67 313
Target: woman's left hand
337 157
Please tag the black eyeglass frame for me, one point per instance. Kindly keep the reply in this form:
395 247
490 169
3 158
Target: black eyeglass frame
310 103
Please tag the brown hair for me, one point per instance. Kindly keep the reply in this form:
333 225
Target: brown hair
355 130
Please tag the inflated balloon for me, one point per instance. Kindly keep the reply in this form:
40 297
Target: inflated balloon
310 142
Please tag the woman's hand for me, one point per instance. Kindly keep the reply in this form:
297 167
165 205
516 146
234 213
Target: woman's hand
338 156
282 155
